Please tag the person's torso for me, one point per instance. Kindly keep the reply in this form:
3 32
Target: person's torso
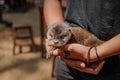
101 17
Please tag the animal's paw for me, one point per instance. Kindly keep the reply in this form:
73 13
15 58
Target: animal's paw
49 54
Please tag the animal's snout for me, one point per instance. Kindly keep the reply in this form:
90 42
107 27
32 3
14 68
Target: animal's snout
56 42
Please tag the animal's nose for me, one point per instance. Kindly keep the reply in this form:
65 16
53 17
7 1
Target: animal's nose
56 42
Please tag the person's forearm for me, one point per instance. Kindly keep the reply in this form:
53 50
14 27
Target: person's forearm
108 49
52 12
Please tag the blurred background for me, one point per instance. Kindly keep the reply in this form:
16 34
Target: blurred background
19 59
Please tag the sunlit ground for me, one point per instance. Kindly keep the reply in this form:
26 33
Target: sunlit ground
26 65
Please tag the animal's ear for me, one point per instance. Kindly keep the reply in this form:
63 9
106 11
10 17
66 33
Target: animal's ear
69 29
75 31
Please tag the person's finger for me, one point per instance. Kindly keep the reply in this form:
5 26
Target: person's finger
67 47
99 67
79 65
58 52
73 47
74 63
93 70
76 51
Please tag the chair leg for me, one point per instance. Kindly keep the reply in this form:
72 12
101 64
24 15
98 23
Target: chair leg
32 48
20 49
14 41
32 40
33 45
14 49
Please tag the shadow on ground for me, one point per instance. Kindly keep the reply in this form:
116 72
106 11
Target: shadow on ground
26 65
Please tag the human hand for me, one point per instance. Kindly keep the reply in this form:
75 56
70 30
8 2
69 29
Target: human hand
80 66
80 52
76 51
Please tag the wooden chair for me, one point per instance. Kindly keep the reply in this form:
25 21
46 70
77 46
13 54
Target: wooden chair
17 37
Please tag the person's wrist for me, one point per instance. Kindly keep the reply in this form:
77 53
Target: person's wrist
85 53
94 54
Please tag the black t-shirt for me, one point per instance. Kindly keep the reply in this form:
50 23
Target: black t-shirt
102 18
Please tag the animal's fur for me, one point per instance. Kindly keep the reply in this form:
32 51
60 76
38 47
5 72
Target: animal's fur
70 35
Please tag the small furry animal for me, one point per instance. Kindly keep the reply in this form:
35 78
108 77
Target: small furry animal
60 34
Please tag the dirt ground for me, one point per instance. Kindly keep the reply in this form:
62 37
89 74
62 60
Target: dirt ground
26 65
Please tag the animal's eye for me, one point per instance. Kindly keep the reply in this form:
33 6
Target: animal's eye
61 37
51 35
64 35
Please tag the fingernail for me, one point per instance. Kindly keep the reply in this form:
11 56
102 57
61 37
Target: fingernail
82 65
